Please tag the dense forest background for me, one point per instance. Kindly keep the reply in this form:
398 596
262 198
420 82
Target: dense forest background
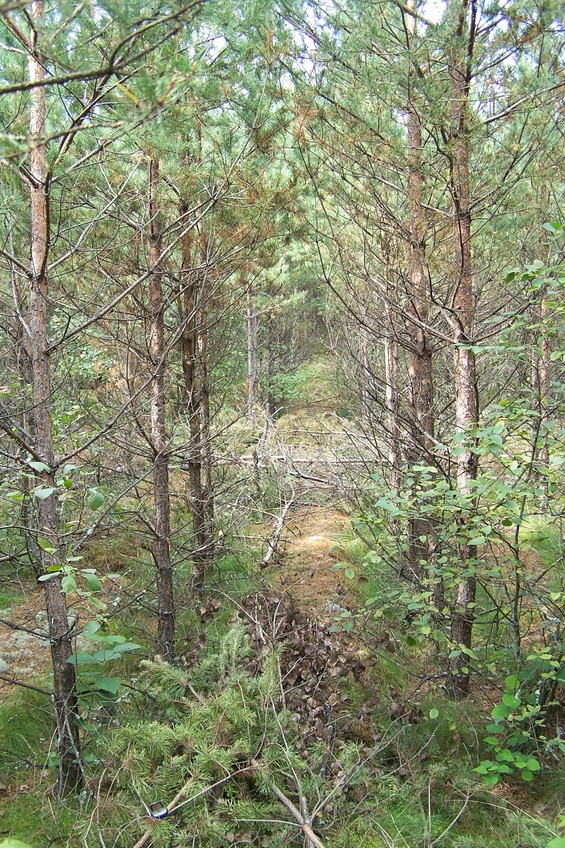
281 423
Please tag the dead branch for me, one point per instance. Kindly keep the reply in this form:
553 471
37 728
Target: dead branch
311 837
277 532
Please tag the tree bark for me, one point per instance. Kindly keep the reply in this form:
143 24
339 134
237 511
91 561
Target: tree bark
466 401
252 367
161 491
69 774
196 396
420 363
420 357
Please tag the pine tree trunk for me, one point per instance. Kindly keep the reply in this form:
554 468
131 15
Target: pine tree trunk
391 400
420 364
466 404
544 381
420 359
252 367
69 775
197 399
161 492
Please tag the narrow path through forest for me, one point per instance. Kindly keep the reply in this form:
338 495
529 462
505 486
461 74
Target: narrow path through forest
303 568
307 555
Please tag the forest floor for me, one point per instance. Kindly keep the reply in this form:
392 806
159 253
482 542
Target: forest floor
308 553
302 568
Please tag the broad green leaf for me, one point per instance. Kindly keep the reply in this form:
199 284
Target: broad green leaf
501 711
81 658
49 575
92 582
434 712
13 843
108 684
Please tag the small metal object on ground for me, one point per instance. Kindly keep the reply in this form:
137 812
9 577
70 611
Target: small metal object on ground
158 810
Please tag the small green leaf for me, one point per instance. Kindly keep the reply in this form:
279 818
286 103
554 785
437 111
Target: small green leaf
38 466
68 583
49 575
434 713
349 573
95 499
43 494
45 545
13 843
559 842
81 658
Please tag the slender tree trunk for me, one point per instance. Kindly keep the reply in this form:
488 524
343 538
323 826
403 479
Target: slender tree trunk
60 636
272 406
466 403
420 357
196 397
420 364
544 380
161 491
252 367
391 399
207 459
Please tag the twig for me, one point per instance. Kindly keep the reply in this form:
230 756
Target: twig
15 682
175 805
295 813
277 531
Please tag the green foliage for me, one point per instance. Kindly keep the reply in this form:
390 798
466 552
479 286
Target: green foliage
25 729
13 843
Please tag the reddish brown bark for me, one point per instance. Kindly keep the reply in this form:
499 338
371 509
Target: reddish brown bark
69 775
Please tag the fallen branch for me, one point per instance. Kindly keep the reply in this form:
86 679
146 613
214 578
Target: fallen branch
276 534
305 824
177 804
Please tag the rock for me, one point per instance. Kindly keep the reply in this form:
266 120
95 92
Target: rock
3 666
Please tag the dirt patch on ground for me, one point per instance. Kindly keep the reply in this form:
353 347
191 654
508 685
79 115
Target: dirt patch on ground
305 570
24 647
25 654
